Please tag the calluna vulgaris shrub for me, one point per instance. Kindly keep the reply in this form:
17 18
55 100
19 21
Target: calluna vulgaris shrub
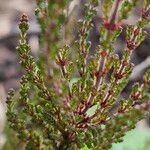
67 95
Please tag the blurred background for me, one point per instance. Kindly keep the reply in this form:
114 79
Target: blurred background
10 72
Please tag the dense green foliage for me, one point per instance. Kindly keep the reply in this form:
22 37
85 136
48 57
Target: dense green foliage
53 109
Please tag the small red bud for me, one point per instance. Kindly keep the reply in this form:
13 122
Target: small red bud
104 53
145 13
136 31
112 27
136 96
103 104
131 45
118 76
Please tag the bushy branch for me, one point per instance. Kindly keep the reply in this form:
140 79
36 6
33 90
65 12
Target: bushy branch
57 113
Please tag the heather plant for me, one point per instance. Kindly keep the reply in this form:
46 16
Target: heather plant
67 96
